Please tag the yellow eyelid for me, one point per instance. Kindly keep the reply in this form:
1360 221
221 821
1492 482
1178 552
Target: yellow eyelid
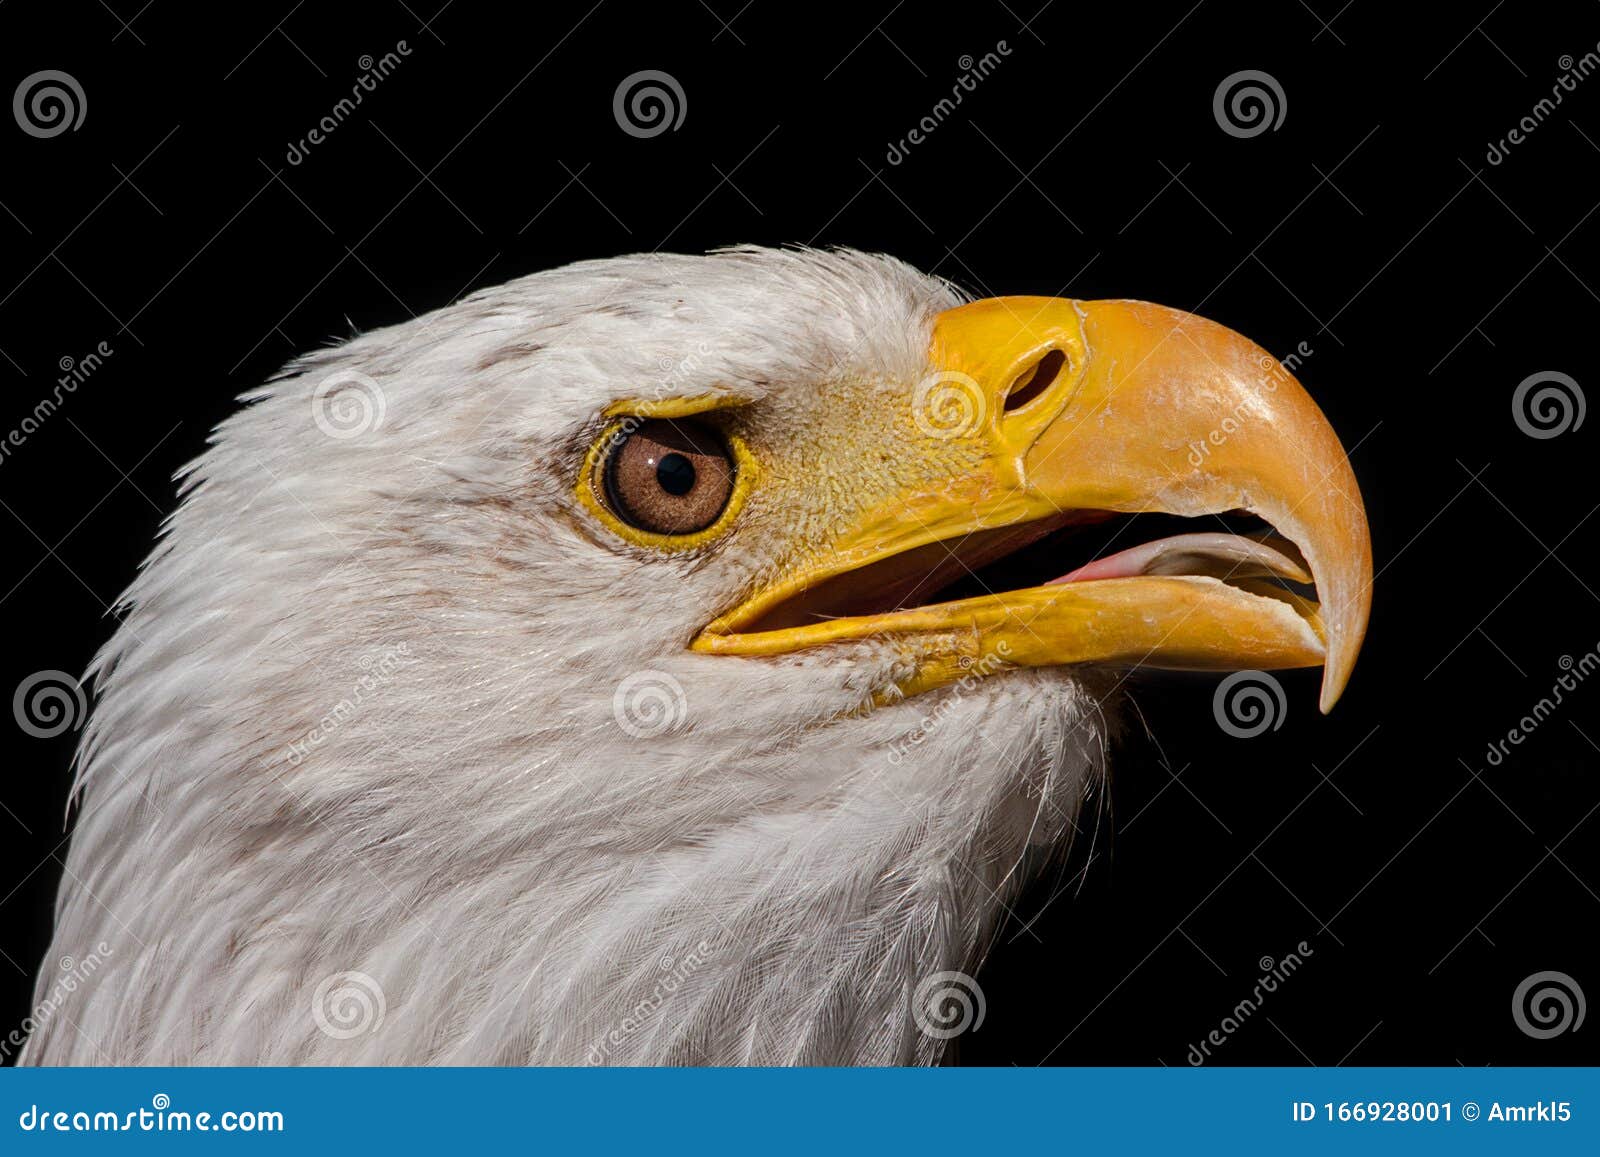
674 407
590 485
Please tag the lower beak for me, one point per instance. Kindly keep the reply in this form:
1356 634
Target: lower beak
1070 410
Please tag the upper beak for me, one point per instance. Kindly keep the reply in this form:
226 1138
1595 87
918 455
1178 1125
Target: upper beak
1072 407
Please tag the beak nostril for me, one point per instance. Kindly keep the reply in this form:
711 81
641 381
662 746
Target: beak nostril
1033 382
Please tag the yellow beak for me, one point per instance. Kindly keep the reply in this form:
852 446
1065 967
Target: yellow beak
1069 410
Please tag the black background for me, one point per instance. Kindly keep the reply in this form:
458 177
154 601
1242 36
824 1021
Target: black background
1368 224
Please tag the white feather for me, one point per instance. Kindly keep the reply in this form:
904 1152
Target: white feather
523 880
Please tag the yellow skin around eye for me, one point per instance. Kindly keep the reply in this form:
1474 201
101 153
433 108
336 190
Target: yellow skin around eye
591 486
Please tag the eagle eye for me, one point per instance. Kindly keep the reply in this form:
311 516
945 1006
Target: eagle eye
669 477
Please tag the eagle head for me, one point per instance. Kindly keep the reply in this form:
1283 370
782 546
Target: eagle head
664 659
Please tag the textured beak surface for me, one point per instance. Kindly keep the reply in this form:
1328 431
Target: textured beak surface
1076 410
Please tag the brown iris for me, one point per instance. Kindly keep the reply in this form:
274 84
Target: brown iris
669 477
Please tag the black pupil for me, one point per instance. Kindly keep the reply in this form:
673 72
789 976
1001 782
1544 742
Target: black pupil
675 473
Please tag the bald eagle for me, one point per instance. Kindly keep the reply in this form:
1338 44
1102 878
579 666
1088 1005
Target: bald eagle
620 665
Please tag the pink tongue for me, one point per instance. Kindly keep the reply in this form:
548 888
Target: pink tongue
1213 553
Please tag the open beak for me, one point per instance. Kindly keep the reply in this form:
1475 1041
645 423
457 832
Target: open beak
1069 413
